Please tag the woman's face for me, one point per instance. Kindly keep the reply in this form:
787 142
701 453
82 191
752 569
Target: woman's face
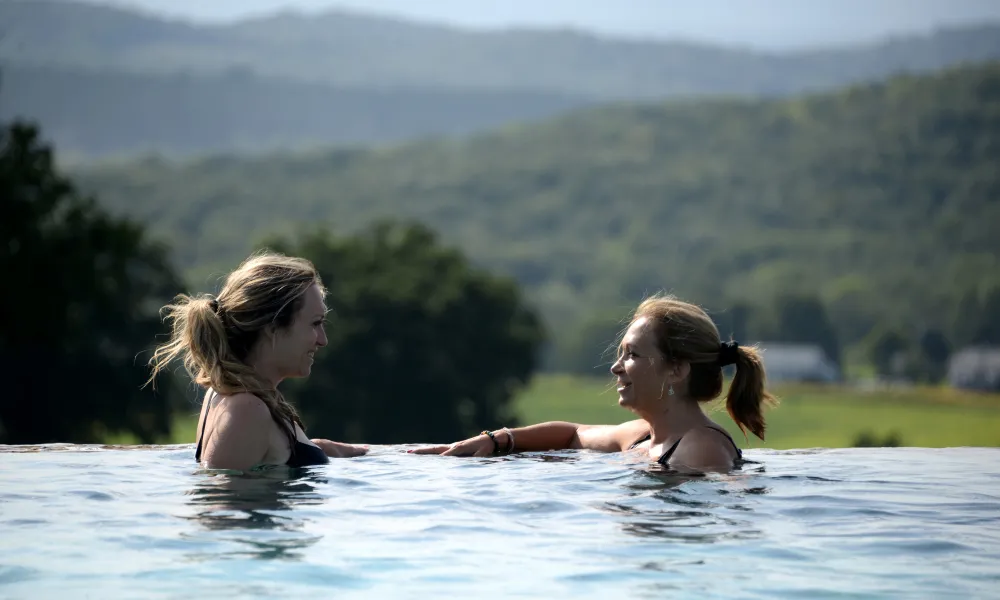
642 378
294 346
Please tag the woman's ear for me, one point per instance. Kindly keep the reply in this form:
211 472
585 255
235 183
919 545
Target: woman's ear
678 371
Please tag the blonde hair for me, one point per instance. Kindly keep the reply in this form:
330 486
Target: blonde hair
685 332
214 335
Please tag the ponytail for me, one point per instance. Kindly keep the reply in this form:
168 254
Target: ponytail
747 395
199 336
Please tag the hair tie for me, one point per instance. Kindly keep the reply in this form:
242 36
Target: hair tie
728 353
215 305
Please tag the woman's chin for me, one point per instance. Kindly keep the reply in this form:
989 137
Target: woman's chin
628 403
301 373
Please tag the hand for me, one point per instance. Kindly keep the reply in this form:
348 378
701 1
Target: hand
481 445
340 449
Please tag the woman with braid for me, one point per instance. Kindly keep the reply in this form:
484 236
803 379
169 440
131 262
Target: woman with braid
265 326
669 363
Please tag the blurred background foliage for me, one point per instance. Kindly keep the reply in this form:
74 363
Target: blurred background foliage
485 227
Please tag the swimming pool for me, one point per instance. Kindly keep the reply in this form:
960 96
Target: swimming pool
84 521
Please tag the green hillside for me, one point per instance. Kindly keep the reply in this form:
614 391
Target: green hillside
882 200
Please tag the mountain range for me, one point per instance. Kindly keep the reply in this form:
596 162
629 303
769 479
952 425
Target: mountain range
109 81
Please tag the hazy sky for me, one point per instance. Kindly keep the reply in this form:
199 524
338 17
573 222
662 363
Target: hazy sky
762 23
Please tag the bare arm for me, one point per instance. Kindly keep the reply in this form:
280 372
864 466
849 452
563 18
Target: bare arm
340 449
241 436
552 435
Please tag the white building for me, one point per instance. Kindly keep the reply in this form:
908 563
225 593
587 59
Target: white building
975 368
797 362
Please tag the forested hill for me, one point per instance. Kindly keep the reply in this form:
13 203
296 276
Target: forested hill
882 199
356 50
111 82
95 114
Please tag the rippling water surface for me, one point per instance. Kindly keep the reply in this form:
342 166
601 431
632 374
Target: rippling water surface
86 521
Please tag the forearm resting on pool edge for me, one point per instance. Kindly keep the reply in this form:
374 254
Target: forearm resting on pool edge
552 435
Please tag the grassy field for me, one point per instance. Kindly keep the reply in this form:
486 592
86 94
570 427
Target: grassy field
809 416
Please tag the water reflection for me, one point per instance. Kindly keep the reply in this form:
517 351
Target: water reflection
551 457
657 504
262 509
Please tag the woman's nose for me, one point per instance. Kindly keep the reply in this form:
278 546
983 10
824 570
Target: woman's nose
616 367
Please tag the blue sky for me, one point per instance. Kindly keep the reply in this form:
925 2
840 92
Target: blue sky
767 24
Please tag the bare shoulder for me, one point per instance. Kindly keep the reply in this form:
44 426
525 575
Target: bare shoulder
630 432
612 438
702 449
240 433
244 407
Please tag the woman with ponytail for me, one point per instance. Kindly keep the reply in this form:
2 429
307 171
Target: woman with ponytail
669 364
265 326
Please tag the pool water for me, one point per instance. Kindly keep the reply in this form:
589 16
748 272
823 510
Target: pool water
146 522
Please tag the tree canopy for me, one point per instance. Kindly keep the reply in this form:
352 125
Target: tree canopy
81 294
422 346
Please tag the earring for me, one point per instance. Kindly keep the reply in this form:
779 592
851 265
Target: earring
670 390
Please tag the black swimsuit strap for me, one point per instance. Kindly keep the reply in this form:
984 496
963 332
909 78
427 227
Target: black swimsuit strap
665 458
201 436
666 455
639 441
739 453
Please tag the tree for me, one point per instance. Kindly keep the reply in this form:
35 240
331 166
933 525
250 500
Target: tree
82 289
935 350
803 319
987 320
736 322
588 346
885 346
422 346
975 319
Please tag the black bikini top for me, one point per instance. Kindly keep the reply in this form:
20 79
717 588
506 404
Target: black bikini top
665 458
303 455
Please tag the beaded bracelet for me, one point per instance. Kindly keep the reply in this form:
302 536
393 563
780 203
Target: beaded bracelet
496 444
